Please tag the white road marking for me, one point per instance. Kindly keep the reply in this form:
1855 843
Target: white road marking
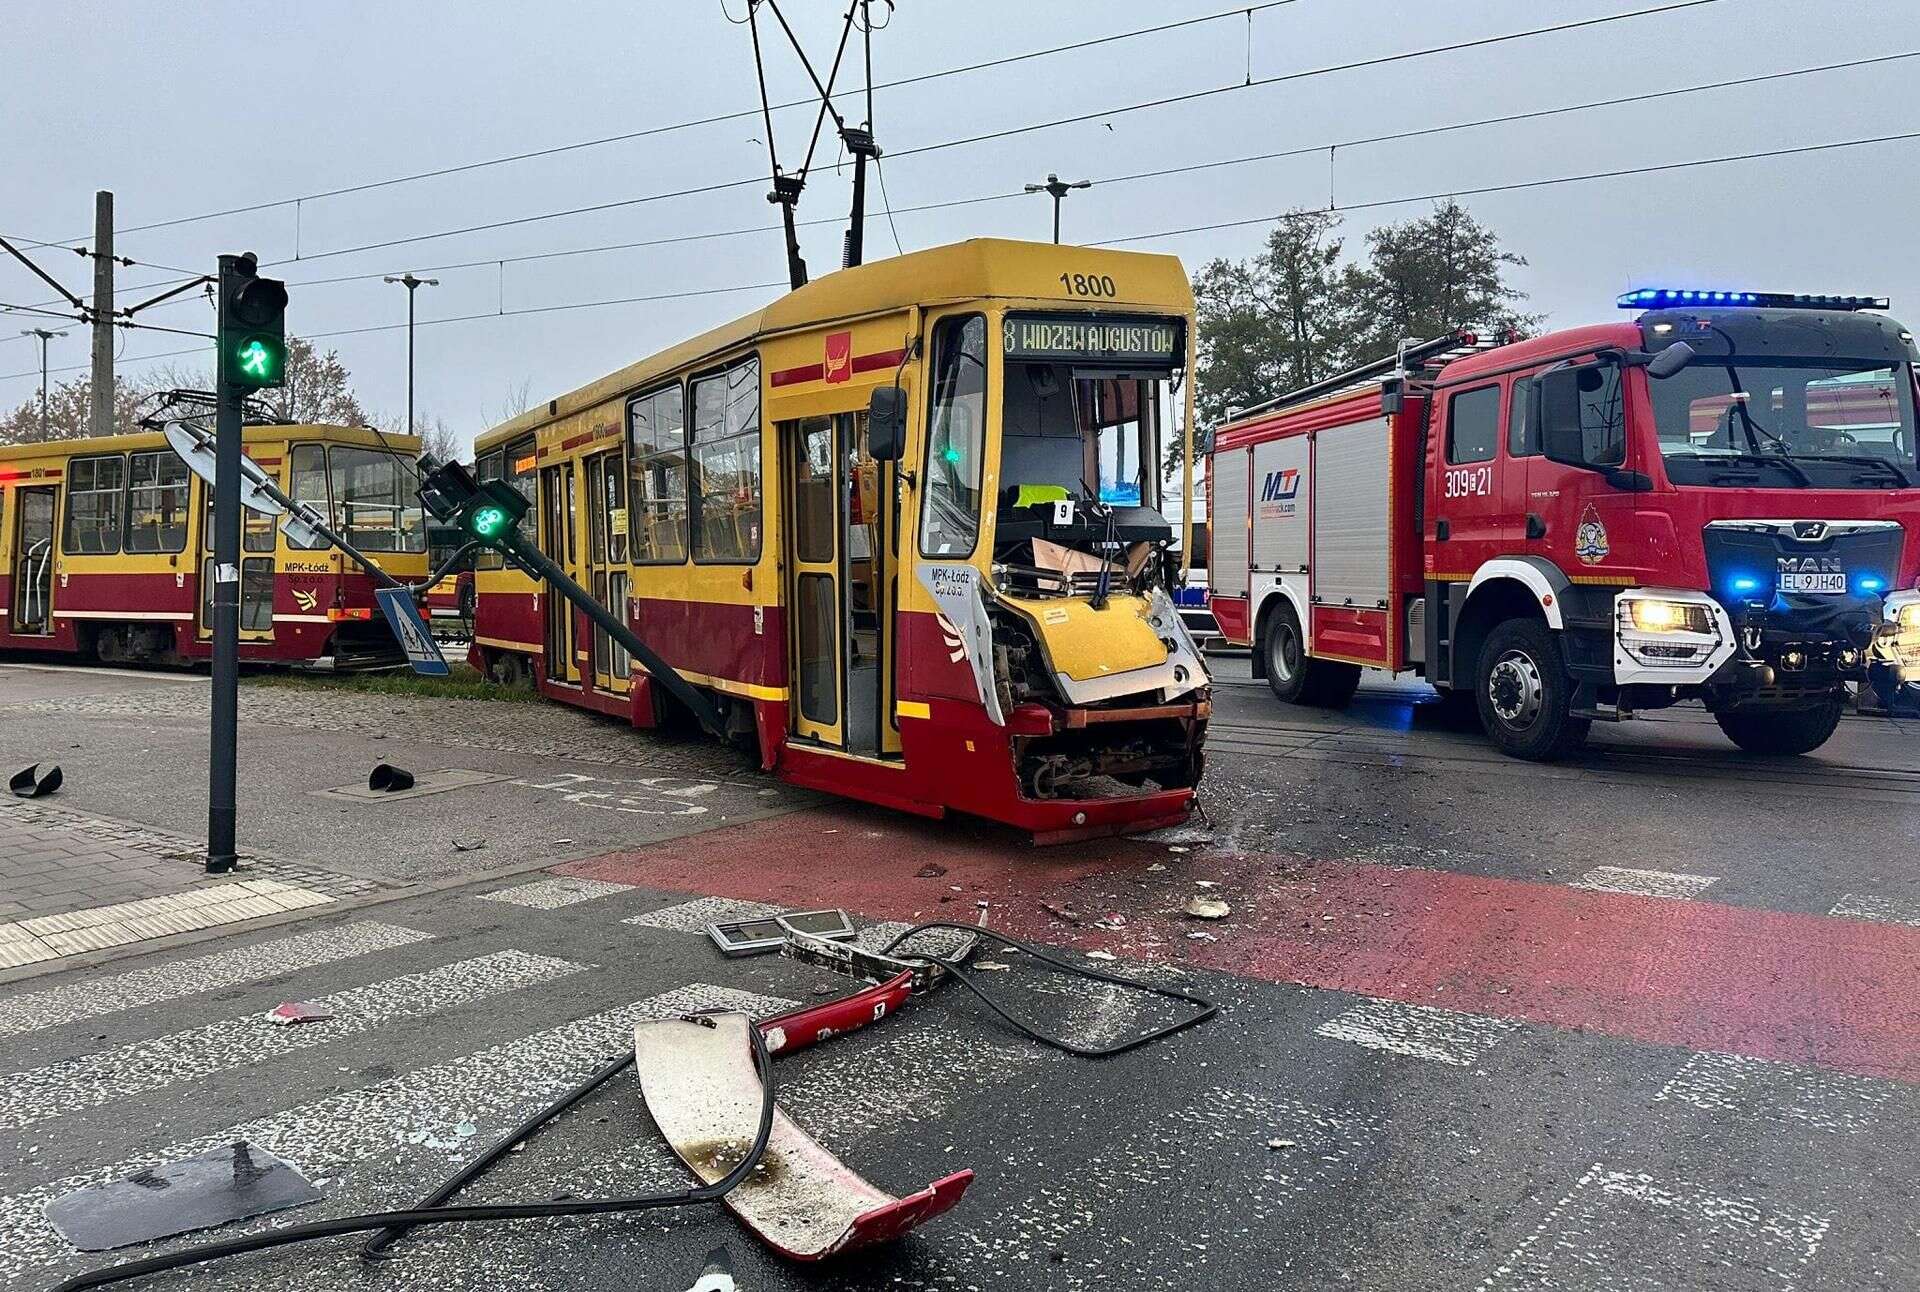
1644 883
1163 1156
138 988
448 1111
41 1094
1883 910
1417 1031
50 937
1763 1088
694 916
556 891
1618 1231
645 796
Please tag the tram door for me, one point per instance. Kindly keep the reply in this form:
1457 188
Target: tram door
557 540
841 588
33 562
607 564
257 539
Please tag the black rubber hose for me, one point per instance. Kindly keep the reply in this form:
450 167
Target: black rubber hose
376 1246
1205 1009
404 1220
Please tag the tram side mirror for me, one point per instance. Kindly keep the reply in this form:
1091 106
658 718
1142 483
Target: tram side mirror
887 424
1670 360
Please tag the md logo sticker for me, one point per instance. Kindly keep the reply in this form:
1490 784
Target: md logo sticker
1278 491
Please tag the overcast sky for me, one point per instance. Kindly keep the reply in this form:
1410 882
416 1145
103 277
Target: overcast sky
186 108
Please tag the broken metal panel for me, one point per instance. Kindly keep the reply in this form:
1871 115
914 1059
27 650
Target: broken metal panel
223 1185
700 1085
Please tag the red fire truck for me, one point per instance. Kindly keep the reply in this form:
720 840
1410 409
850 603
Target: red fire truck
1718 500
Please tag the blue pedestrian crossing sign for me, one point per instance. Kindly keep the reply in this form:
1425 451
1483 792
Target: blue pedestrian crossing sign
411 631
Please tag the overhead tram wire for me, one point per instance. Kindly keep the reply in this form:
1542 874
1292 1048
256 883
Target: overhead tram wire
1523 185
1054 123
1305 150
693 123
1516 186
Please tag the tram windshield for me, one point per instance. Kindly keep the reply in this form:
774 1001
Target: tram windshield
1080 448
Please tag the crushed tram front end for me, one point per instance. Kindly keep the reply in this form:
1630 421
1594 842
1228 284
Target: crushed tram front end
903 528
1042 474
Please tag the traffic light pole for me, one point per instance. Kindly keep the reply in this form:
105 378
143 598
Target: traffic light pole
221 761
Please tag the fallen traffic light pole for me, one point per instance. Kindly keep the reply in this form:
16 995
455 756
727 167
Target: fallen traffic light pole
490 515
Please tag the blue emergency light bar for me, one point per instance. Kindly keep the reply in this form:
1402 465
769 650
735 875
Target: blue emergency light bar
1649 298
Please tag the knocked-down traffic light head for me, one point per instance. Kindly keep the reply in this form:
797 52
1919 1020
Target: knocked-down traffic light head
253 326
488 513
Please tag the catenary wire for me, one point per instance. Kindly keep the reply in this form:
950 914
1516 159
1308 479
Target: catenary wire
1517 186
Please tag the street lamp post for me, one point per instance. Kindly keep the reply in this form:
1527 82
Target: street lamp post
412 284
45 336
1059 188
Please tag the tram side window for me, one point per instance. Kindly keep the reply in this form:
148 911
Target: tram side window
370 501
522 468
657 452
309 481
726 464
950 507
157 502
94 504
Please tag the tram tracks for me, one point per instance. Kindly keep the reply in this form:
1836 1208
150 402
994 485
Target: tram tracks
1438 751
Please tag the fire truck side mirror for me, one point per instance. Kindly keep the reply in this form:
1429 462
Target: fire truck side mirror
1555 409
1670 360
887 424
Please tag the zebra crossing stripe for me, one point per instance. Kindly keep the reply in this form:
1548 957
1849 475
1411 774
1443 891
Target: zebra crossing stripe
446 1112
74 1001
41 1094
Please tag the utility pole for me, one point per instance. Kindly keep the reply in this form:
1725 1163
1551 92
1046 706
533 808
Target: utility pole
1059 188
101 421
45 336
412 285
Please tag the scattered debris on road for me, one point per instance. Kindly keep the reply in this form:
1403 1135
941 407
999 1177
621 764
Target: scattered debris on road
27 783
475 846
717 1274
932 870
299 1011
388 779
1202 907
219 1186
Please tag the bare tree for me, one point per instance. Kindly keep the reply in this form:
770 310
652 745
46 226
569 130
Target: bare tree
518 399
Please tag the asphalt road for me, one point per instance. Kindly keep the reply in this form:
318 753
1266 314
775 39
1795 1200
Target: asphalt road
1484 1025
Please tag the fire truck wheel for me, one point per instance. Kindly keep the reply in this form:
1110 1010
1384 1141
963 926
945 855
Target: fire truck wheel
1525 696
1781 731
1297 678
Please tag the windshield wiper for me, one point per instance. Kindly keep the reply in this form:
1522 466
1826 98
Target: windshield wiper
1786 464
1859 459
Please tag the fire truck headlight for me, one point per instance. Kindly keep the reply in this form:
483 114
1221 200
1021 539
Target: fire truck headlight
1655 615
1908 617
1666 631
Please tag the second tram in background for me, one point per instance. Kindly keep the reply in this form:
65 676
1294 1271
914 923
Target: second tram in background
106 549
903 525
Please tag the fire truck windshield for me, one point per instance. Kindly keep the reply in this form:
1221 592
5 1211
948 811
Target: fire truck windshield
1788 423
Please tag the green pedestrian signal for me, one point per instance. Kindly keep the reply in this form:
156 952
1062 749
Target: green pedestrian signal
259 363
253 326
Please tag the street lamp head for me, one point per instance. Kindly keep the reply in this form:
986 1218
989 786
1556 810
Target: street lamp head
1036 188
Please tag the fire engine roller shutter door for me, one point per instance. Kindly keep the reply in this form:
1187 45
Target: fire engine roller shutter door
1228 564
1282 505
1350 539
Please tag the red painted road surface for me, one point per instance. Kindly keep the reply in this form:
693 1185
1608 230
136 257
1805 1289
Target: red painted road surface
1809 989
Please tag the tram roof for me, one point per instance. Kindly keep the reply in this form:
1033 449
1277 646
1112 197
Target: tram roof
258 433
980 268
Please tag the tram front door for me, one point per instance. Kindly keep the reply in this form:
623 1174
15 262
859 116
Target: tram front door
841 587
